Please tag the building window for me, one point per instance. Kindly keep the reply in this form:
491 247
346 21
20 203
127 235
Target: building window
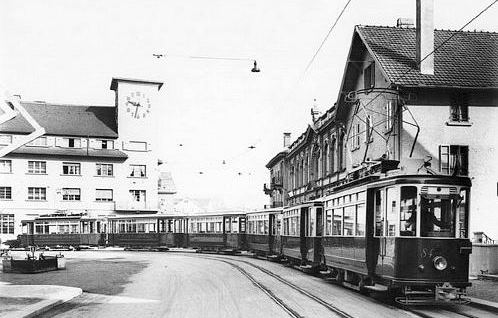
72 142
5 166
5 139
137 171
71 194
368 129
389 115
37 167
38 142
6 223
37 194
454 160
5 193
355 141
137 195
69 168
369 76
106 144
104 169
459 107
103 195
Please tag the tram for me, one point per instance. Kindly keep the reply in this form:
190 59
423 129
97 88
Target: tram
217 232
147 230
263 232
404 234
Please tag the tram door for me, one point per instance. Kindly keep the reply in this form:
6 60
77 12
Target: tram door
304 231
385 208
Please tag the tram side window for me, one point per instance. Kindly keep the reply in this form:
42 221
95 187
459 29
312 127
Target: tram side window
379 214
437 216
337 222
462 205
328 222
361 218
266 226
392 211
408 211
286 226
349 214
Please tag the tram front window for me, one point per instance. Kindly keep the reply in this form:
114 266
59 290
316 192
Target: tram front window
437 216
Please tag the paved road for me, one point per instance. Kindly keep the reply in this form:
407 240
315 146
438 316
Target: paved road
136 284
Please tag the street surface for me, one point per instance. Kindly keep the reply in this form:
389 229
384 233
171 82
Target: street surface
153 284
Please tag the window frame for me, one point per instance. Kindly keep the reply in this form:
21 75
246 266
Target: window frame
38 194
103 198
5 193
5 163
38 167
71 197
132 173
75 165
104 167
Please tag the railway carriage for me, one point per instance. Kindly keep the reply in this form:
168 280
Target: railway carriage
64 230
217 232
406 234
263 232
301 237
147 230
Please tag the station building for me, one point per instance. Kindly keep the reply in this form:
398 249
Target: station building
435 115
92 162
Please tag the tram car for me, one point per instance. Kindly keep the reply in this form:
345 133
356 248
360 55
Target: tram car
403 234
63 231
263 233
147 231
217 232
301 234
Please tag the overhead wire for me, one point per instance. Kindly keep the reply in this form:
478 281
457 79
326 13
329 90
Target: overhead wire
411 69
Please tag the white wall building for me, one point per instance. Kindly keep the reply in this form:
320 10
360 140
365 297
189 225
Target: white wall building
93 160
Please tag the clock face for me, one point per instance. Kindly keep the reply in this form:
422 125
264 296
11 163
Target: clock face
137 105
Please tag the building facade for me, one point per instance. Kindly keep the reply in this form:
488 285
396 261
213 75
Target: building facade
93 161
433 119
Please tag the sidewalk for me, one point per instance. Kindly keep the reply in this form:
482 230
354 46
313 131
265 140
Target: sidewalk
31 300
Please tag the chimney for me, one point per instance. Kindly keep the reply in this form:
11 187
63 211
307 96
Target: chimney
287 137
425 36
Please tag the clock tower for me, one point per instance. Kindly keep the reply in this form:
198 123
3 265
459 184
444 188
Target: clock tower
137 118
136 112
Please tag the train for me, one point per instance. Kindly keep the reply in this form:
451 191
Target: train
405 235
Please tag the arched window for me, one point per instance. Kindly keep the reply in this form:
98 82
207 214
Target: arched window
291 177
333 167
315 163
305 170
340 152
326 160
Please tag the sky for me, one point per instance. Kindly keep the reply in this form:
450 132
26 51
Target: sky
68 51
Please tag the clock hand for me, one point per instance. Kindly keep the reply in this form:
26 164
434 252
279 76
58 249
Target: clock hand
136 110
134 104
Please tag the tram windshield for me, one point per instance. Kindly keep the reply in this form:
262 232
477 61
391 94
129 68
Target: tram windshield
440 215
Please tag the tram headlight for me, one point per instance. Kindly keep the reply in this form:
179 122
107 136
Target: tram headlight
440 263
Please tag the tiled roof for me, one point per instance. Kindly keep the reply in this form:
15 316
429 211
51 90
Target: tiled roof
66 120
468 59
70 152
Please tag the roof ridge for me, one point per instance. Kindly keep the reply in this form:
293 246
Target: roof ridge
412 28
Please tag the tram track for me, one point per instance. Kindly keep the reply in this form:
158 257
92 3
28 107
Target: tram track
423 313
294 287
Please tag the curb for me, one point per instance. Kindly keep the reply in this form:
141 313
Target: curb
45 305
484 304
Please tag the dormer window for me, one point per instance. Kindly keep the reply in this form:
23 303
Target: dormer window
106 144
71 142
369 76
